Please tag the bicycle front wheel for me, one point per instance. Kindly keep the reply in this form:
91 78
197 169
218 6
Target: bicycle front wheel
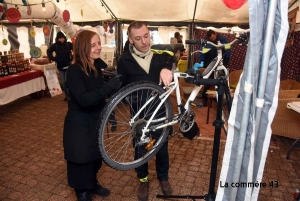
123 140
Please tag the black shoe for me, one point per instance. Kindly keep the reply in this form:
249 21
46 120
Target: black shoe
166 187
143 191
84 196
100 190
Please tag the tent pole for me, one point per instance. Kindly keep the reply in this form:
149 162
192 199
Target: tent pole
119 39
246 109
191 47
263 72
191 27
222 87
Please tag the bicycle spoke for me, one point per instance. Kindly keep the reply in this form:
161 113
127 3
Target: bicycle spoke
124 148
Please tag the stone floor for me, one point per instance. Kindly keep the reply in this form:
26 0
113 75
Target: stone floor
32 165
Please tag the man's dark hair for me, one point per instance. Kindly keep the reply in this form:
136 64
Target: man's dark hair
176 35
210 32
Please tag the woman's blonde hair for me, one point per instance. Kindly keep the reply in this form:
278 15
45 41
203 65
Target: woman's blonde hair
82 49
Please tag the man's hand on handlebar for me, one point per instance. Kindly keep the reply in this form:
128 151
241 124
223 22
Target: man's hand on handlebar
166 76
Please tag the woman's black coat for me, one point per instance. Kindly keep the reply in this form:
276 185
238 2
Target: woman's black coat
87 99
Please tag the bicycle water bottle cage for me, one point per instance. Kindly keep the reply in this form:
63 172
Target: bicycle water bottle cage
193 80
210 66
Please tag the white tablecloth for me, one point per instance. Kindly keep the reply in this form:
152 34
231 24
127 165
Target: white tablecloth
14 92
43 67
294 106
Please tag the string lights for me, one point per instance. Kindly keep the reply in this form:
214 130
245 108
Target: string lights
103 4
43 5
24 3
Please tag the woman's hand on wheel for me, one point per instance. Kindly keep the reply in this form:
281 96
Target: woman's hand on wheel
115 83
166 76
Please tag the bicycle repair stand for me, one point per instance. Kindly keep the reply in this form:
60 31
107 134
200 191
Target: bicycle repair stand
218 123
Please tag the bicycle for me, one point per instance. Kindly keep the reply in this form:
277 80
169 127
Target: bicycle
137 119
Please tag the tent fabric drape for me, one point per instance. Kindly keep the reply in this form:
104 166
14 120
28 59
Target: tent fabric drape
13 37
291 60
254 103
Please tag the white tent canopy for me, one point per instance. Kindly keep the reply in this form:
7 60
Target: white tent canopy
156 10
213 11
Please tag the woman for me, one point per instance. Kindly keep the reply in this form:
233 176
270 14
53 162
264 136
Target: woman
87 98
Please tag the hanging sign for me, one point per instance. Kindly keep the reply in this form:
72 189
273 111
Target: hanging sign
67 35
46 30
35 52
66 16
4 42
32 33
13 15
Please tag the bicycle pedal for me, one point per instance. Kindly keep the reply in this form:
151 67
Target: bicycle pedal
196 104
150 144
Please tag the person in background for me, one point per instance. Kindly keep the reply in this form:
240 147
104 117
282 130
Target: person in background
138 64
63 57
179 40
126 46
211 54
88 94
182 52
174 39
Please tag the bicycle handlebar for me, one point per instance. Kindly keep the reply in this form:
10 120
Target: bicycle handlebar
202 42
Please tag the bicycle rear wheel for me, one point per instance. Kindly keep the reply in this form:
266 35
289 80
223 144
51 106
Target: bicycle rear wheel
120 141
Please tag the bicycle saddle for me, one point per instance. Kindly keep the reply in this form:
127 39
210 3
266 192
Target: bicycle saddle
161 48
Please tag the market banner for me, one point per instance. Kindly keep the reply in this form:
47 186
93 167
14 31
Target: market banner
52 82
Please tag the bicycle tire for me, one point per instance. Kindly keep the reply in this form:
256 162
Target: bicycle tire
120 142
226 111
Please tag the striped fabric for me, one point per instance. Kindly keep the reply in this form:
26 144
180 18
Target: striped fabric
19 38
254 104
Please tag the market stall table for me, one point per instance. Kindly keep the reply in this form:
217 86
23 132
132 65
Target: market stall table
22 84
296 107
44 67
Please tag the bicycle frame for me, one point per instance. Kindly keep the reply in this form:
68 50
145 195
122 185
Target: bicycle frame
174 86
217 66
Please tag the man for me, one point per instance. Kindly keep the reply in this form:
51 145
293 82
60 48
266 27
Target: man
140 63
63 57
209 56
173 40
